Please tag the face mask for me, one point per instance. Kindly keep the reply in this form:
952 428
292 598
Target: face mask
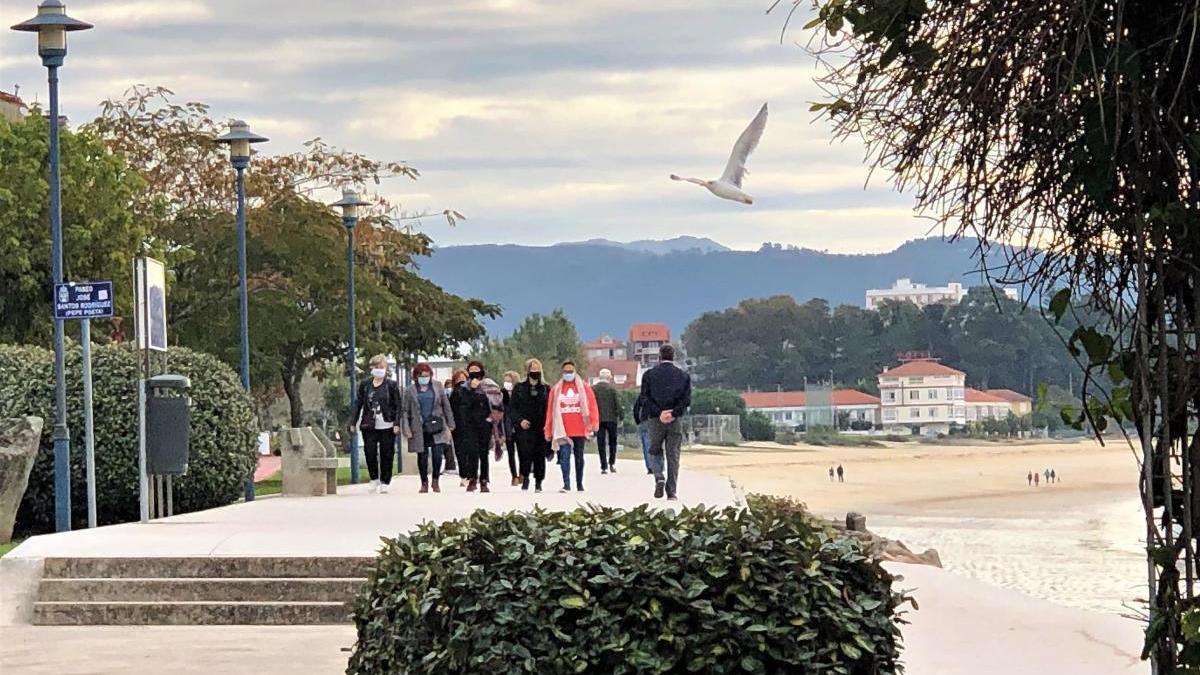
423 380
568 377
535 376
379 373
508 386
476 376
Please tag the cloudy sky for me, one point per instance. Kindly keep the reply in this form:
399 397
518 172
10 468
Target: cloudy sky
541 120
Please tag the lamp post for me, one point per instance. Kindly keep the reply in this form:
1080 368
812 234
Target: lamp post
349 204
239 139
52 24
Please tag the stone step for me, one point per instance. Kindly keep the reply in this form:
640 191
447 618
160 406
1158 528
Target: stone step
189 613
205 567
201 590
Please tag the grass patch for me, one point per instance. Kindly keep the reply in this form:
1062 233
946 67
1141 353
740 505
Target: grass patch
5 548
273 484
828 439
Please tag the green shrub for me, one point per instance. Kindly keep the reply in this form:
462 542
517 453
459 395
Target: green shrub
786 438
756 426
764 590
223 434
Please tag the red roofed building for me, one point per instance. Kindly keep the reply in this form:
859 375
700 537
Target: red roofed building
606 347
12 108
1021 404
923 397
787 408
644 341
625 373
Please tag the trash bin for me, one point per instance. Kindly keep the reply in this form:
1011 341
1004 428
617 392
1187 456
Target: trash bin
168 425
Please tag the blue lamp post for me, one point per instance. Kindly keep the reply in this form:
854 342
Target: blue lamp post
350 203
52 24
239 139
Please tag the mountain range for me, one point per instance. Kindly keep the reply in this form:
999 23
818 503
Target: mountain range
605 286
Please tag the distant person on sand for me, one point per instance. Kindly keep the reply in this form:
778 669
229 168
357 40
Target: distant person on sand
830 473
668 393
1036 477
611 417
1053 476
1046 476
841 474
1029 478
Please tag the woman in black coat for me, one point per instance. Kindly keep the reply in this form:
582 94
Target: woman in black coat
472 428
528 406
377 414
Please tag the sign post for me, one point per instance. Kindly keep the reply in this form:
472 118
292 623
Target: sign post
150 305
86 301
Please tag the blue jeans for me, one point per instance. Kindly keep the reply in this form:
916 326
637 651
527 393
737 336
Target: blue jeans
565 450
644 431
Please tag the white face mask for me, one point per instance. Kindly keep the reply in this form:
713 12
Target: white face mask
568 377
508 386
379 373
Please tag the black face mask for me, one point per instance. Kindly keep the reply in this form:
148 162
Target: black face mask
535 376
476 376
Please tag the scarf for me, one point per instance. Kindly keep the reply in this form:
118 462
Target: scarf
557 428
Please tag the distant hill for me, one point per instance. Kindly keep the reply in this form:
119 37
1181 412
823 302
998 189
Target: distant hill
605 286
659 247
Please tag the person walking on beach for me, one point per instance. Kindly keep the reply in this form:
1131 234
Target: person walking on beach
572 416
667 391
611 417
427 423
529 402
511 378
1046 475
1036 477
1053 476
472 428
377 414
841 474
1029 478
831 471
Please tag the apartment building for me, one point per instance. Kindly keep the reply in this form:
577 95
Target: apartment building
922 397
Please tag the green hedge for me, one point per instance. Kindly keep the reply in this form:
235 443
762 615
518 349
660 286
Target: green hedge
756 426
599 590
223 440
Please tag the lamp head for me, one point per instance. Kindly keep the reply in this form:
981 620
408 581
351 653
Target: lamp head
239 139
350 203
52 25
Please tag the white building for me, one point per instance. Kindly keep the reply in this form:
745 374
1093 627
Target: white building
922 397
786 409
904 290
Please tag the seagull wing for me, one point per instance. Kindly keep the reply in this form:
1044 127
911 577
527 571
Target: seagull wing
735 170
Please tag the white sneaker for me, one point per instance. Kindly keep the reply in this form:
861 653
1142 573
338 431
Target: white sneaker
383 488
374 487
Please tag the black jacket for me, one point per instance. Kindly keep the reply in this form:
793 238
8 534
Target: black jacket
472 426
639 409
529 403
364 410
666 387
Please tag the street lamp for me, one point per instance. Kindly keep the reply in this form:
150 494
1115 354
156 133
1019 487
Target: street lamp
52 24
239 139
350 204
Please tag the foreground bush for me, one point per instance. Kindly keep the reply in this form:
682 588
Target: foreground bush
223 443
600 590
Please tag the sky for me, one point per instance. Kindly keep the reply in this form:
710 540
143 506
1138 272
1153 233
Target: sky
541 120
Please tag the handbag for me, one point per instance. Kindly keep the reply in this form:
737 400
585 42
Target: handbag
433 426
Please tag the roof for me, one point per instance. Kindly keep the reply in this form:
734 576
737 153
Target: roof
1010 395
921 368
627 368
797 399
976 396
11 98
649 332
606 342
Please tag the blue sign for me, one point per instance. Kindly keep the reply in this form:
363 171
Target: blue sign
83 300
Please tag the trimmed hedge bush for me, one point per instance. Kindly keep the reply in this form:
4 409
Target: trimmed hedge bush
599 590
223 439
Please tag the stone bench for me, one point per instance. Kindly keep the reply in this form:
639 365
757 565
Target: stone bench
310 463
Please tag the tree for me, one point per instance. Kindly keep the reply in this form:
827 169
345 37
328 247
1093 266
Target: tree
295 249
716 401
1070 128
550 338
100 232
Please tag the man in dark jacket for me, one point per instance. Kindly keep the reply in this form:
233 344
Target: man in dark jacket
529 399
611 417
666 394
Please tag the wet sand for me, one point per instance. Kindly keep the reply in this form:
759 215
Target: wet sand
1076 543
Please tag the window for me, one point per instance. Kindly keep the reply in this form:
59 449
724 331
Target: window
889 414
916 380
788 415
889 396
957 394
960 411
914 394
932 395
914 413
933 412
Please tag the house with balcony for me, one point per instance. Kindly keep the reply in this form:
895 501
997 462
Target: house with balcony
922 397
644 341
606 348
626 374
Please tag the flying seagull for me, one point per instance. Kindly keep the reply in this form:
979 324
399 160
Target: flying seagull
729 185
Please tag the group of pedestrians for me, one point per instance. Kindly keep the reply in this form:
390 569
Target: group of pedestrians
1034 478
460 424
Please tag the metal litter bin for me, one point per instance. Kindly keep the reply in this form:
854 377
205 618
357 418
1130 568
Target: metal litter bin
168 425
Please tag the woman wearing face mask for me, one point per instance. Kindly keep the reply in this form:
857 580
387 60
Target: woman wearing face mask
511 378
571 418
457 378
528 406
473 428
377 414
427 422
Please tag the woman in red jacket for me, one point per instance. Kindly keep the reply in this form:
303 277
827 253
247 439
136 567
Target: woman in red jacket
571 418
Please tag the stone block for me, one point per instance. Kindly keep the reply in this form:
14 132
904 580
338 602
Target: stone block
856 522
19 441
309 463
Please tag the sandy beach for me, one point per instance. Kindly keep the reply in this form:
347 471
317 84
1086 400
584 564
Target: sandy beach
1076 543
